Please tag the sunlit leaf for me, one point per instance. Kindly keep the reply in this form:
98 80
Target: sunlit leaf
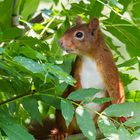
32 5
129 62
118 110
31 53
51 100
11 33
128 34
6 8
107 127
134 11
12 128
31 106
85 123
127 78
81 94
67 111
60 74
133 122
133 95
136 135
29 64
101 100
124 134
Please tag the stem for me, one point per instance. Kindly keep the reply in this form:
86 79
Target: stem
43 31
58 97
77 104
14 99
115 25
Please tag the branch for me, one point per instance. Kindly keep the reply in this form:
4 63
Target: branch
15 98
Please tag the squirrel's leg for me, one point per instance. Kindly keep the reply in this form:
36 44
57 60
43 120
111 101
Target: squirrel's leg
62 131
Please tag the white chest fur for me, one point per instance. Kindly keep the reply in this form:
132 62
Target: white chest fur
91 78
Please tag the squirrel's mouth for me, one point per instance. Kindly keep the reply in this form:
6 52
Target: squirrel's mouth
65 47
69 50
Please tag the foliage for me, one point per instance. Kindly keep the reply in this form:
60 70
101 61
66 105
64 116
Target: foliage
34 72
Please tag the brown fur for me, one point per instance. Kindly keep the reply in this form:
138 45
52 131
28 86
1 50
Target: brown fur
91 45
94 47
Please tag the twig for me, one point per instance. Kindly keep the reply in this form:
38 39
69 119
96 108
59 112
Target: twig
14 99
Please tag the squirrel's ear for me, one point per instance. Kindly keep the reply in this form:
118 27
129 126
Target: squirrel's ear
94 24
78 20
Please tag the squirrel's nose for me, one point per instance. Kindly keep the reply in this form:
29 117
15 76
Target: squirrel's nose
61 42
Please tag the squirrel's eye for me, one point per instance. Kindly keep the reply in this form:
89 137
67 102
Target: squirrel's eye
79 35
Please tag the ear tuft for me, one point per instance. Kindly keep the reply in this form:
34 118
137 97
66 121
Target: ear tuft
94 24
78 20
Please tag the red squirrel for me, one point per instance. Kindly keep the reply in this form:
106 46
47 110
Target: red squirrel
94 68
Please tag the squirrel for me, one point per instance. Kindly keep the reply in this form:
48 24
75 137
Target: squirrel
94 67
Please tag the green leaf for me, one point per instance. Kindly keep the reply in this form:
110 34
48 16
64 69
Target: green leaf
63 28
113 42
133 122
6 86
2 50
129 62
13 130
127 78
78 8
12 33
85 122
110 131
43 69
119 110
136 135
97 6
9 69
55 48
126 32
6 8
50 100
16 7
67 111
29 4
29 64
35 43
31 67
56 2
124 134
31 53
125 4
16 132
81 94
67 63
31 106
107 127
101 100
38 27
133 95
60 74
134 11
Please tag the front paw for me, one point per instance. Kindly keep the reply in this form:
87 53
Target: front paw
57 134
123 119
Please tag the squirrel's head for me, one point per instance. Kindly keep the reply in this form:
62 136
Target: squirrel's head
82 38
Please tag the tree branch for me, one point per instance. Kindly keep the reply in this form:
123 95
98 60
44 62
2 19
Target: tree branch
15 98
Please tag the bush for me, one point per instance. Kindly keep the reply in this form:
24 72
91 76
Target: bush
34 72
